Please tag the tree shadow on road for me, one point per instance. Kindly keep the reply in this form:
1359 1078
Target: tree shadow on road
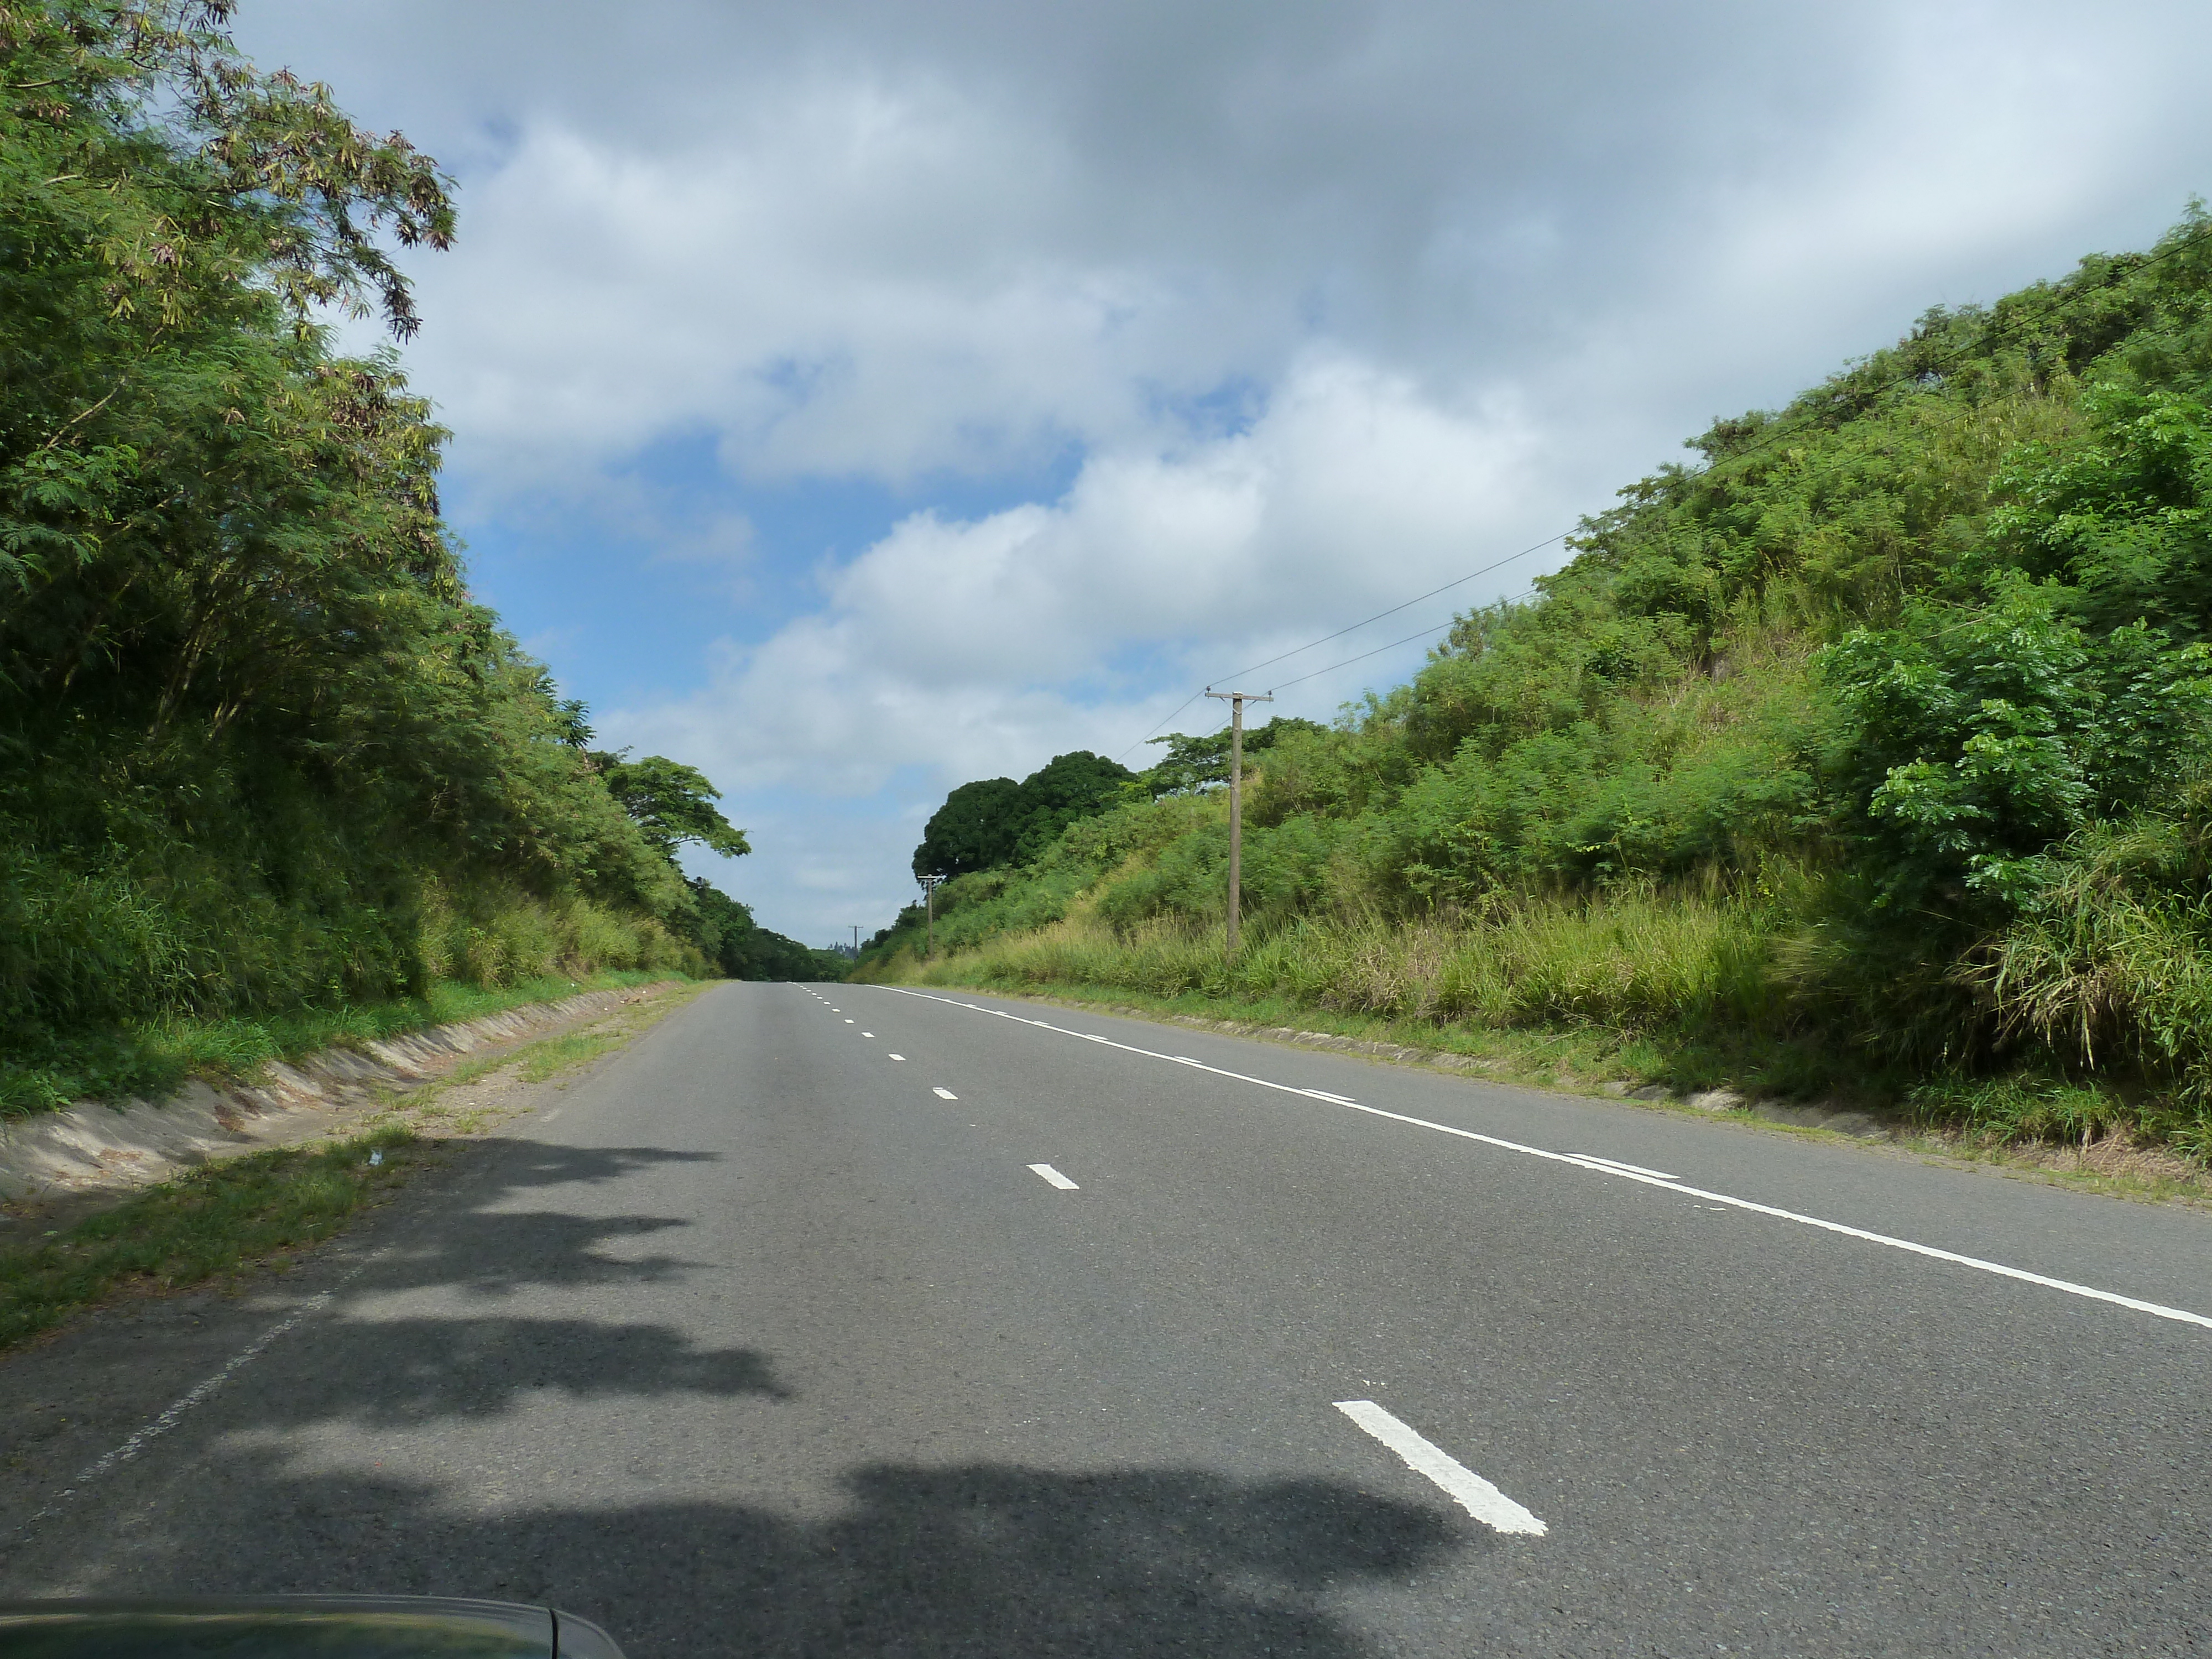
413 1368
397 1373
495 1252
975 1559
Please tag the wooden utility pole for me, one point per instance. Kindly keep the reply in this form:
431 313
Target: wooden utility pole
929 885
1236 700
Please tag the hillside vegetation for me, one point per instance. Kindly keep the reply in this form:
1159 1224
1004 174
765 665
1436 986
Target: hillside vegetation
261 757
1866 751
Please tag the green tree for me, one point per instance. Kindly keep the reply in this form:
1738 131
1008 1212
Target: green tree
258 748
975 829
1068 787
671 803
744 950
1193 764
995 822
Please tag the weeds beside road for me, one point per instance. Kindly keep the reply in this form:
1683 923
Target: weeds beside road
262 1211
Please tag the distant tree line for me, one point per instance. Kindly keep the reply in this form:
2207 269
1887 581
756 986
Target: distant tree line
996 824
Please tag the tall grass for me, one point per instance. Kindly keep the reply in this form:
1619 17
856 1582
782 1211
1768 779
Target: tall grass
111 989
1635 963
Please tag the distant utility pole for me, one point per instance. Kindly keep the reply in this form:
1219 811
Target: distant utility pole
1236 700
929 886
856 925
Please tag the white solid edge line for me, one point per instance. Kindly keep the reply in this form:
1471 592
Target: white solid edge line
944 1094
1055 1177
1616 1163
2158 1310
1469 1490
169 1418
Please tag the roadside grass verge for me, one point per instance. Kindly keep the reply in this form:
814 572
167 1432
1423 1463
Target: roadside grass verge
1685 994
260 1210
548 1060
152 1058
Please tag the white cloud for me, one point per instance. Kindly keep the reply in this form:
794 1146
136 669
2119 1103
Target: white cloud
986 646
852 281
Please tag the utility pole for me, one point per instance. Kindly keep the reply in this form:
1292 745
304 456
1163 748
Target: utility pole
929 885
1236 700
856 925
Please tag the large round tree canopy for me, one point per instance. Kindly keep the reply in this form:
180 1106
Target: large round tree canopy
996 822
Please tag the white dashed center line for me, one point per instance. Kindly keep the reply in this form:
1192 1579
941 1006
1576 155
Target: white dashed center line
898 1056
1468 1489
944 1094
849 1022
1055 1177
867 1033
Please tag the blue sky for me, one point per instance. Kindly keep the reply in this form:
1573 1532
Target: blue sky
852 397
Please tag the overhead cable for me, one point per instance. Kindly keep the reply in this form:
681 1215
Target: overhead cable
1393 646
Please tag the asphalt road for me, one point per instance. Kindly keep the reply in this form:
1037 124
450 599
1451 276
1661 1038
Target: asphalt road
772 1338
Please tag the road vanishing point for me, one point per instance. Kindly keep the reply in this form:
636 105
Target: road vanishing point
862 1320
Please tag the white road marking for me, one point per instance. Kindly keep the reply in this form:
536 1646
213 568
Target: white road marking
867 1033
1469 1490
2157 1310
944 1094
1053 1176
850 1021
898 1056
175 1414
1615 1163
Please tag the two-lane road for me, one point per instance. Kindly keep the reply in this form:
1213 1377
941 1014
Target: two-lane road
845 1319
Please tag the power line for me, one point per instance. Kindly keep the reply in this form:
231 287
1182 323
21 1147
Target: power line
1148 736
2057 302
1456 582
1393 646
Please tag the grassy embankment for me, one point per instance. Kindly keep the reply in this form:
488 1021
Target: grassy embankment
1870 756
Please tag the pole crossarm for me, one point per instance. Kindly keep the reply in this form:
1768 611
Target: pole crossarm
1236 700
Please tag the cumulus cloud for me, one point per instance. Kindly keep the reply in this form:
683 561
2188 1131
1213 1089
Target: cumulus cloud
818 294
993 643
888 240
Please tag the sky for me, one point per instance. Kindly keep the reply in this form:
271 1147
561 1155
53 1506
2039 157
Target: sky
852 399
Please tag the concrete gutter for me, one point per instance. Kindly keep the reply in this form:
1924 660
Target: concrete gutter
94 1146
